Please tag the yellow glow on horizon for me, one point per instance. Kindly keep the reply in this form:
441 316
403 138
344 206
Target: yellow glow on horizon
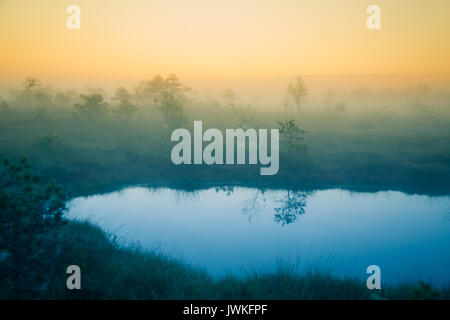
222 38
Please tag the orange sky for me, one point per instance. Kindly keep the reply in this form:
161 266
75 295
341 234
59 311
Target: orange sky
136 39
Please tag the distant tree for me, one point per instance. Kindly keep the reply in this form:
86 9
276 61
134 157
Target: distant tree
230 98
31 84
61 99
172 109
154 91
331 104
35 92
34 96
167 95
292 133
95 90
92 106
66 98
27 210
43 98
298 91
125 108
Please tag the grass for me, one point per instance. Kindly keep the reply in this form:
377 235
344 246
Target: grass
358 153
111 271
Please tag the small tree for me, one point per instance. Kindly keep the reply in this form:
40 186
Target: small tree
230 98
172 109
34 96
27 210
125 108
154 91
92 106
167 95
292 133
31 84
298 91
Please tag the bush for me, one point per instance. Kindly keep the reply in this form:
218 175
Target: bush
27 211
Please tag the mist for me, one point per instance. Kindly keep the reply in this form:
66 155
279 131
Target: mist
362 137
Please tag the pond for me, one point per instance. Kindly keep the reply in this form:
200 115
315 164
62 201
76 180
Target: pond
239 230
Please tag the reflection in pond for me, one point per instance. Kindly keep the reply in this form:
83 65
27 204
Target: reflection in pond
291 205
227 189
235 229
254 203
288 206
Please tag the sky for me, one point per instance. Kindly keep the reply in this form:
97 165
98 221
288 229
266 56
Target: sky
137 39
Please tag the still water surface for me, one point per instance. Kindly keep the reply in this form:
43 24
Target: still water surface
239 230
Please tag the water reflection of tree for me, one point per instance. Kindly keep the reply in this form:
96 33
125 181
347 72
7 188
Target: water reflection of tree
186 196
291 206
227 189
252 206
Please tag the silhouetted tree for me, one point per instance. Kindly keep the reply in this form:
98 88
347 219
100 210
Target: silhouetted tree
30 84
298 91
27 210
125 108
292 133
167 95
154 91
330 103
34 96
92 106
172 109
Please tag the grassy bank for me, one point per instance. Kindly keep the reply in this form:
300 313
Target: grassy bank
103 155
110 271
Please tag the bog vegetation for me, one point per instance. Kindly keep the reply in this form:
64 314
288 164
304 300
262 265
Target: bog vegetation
364 141
89 142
